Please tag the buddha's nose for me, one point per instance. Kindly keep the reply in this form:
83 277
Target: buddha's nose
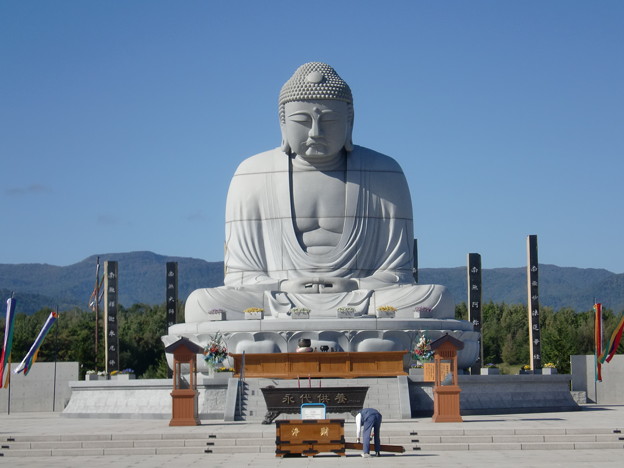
315 129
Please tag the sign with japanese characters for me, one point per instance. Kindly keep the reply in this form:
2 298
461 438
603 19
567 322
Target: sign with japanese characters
111 295
474 302
290 400
535 345
171 294
313 411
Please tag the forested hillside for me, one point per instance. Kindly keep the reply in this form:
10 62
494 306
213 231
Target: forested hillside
505 336
142 281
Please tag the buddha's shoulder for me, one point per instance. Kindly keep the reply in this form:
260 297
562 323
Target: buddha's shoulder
372 160
267 161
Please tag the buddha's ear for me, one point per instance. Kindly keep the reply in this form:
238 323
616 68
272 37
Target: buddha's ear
349 140
285 147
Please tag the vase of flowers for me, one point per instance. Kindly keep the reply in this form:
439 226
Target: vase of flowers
215 351
216 314
345 312
549 369
125 374
96 375
300 313
422 351
386 311
254 313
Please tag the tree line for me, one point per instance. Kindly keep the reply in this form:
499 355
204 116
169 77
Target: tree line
505 331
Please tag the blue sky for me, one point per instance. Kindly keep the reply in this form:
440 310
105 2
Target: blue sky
121 123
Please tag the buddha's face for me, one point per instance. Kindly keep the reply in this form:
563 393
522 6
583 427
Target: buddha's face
316 130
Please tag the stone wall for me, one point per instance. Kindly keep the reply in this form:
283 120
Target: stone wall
499 394
42 389
608 392
141 399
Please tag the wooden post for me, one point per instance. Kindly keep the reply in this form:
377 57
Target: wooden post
446 392
184 394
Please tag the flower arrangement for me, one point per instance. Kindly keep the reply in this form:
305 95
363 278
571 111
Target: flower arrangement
215 351
251 310
490 365
91 372
299 310
386 308
526 367
224 369
216 311
422 350
101 372
550 365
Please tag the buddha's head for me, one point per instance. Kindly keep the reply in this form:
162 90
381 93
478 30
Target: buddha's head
316 113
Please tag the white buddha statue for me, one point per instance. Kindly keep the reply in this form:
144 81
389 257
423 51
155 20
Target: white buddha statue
320 224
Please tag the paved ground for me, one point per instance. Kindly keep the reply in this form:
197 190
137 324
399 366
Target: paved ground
590 417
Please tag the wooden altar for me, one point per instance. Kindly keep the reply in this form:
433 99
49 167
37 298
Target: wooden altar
319 364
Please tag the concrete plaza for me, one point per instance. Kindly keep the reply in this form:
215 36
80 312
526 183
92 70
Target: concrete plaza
52 424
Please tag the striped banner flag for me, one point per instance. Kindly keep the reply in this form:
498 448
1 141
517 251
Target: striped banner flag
598 340
5 371
31 357
614 343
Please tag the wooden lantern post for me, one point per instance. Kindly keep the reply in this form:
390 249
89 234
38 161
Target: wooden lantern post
445 388
184 394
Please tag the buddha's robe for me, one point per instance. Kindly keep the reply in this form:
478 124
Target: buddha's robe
375 249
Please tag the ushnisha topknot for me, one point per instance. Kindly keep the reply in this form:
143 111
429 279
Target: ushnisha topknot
314 80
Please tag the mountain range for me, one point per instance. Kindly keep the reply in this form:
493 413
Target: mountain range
142 280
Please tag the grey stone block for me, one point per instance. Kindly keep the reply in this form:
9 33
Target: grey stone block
26 453
548 446
495 447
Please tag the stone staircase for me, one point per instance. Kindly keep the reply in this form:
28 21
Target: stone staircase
263 441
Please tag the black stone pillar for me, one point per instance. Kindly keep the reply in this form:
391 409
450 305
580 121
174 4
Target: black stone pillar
111 338
474 303
535 343
171 295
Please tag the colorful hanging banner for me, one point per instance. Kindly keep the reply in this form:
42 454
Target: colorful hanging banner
5 371
96 295
614 343
598 340
31 357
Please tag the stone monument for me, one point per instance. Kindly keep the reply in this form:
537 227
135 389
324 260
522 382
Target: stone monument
319 242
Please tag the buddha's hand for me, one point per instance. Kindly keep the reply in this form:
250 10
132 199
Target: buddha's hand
318 285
